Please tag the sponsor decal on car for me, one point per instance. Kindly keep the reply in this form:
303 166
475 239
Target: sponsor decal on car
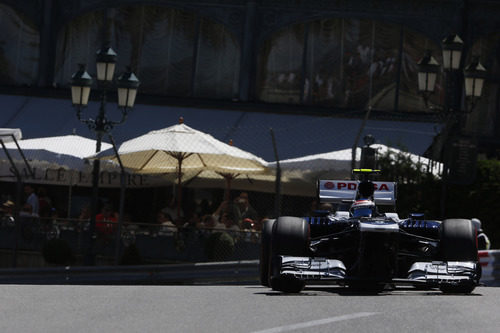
352 186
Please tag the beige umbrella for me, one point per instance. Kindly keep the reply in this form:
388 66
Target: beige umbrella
186 152
250 179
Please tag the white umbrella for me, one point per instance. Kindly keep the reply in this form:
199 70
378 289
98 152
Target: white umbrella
337 164
186 152
68 151
53 160
6 134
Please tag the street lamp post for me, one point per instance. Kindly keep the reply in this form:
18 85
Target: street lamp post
81 84
458 81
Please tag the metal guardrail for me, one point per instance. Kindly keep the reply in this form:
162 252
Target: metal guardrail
199 273
151 242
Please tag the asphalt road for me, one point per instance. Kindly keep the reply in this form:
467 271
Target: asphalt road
33 308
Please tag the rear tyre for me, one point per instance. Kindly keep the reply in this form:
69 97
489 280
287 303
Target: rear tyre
458 243
290 237
265 252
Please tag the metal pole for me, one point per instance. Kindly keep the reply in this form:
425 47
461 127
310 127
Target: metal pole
99 129
122 201
277 204
19 188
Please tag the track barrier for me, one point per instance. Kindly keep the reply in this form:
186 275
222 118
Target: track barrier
490 264
200 273
230 272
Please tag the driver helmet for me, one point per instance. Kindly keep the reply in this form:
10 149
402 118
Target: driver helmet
363 208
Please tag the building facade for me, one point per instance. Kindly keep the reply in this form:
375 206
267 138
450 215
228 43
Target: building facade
312 57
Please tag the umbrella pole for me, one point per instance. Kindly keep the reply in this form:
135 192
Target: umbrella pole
179 187
227 195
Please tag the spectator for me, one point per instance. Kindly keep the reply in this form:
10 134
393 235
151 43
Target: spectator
251 229
44 203
204 207
32 199
83 218
193 222
224 207
228 221
218 222
84 213
26 210
483 242
165 220
7 213
171 209
208 221
106 220
243 209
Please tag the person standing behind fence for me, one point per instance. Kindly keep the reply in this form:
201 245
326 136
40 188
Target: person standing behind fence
229 223
165 220
7 213
32 199
243 210
44 203
483 242
106 220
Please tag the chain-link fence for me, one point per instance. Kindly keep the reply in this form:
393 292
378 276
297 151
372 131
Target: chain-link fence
67 241
215 201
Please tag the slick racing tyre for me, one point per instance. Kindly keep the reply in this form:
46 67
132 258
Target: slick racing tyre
458 243
265 252
290 237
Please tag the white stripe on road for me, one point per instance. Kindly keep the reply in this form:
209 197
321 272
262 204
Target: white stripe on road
317 322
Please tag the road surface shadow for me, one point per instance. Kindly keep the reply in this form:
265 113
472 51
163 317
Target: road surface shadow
345 291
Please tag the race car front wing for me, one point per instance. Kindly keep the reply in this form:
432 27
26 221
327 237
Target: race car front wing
451 272
435 273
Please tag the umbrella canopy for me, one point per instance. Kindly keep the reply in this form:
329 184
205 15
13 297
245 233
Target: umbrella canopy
182 147
186 152
6 134
337 164
257 183
67 152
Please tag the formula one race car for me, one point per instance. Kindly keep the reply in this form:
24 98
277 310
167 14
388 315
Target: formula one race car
362 248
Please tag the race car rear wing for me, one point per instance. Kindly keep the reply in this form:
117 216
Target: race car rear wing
338 191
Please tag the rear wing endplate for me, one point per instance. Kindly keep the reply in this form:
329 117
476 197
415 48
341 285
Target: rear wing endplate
337 191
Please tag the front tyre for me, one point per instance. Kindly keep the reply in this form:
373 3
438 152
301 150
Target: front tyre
265 252
458 243
290 237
